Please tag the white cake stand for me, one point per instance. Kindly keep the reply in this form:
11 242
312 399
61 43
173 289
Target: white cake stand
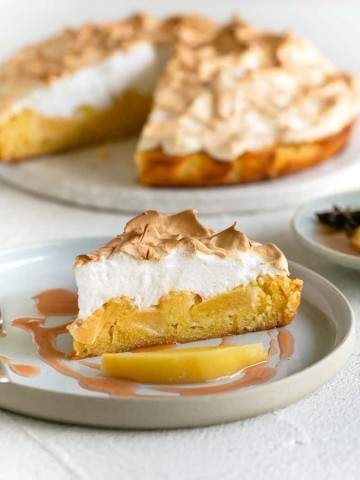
104 177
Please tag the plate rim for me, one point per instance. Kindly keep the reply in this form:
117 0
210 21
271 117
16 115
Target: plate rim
342 258
342 348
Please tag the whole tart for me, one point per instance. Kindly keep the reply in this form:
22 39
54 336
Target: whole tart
168 279
215 104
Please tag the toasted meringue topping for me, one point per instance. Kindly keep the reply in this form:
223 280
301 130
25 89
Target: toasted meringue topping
73 49
152 236
245 90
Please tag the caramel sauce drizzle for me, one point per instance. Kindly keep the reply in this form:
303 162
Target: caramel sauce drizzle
45 341
21 369
93 365
286 344
57 302
253 375
61 302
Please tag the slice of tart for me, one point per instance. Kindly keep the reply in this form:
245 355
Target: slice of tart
167 279
87 85
245 106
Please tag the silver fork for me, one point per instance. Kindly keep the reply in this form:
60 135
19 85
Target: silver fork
3 375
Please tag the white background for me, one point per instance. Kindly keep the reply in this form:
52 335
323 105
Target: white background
317 438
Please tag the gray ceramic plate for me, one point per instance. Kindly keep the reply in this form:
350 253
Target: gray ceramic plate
334 246
323 335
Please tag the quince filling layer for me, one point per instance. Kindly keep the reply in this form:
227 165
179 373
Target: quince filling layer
28 132
182 316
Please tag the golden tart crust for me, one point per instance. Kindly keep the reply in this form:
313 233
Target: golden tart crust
159 169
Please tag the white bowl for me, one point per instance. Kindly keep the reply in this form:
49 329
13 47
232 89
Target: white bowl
335 247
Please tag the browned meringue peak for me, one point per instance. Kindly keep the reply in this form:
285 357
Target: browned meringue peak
152 235
183 223
74 48
190 30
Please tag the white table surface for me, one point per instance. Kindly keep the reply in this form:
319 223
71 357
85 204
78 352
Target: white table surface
319 437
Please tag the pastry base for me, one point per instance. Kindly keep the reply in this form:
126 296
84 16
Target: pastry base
181 317
28 133
199 169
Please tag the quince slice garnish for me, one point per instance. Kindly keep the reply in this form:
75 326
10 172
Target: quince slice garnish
182 365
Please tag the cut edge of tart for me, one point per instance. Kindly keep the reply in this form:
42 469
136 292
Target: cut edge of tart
169 279
89 84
